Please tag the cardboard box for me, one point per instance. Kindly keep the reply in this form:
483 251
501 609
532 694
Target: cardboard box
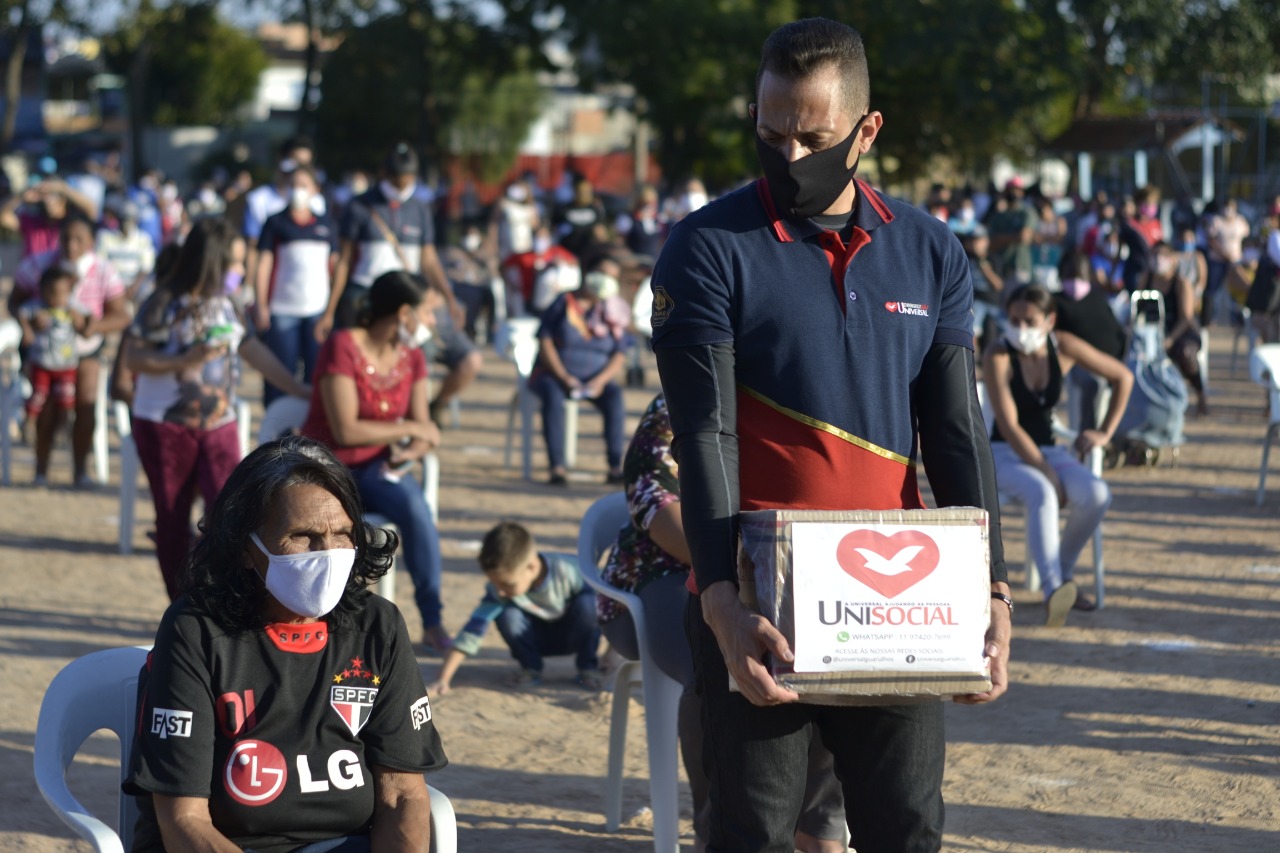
879 606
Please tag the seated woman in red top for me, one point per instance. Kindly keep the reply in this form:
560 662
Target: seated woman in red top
369 404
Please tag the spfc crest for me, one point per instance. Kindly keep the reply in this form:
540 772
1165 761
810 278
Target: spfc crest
353 704
351 699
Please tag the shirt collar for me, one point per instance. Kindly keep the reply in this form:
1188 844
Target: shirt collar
869 213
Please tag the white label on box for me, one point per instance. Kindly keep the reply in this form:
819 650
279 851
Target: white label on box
888 597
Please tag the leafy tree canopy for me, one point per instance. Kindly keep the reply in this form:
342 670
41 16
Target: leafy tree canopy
199 68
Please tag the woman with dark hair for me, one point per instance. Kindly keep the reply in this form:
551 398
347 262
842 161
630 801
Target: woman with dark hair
370 405
1023 373
282 708
183 346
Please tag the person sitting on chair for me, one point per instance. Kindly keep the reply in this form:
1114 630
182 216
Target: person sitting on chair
583 344
369 404
1023 372
282 708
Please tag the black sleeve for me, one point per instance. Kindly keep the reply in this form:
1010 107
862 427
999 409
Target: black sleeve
953 440
699 385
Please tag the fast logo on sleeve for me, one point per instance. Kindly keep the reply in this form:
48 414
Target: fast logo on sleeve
169 723
352 694
420 713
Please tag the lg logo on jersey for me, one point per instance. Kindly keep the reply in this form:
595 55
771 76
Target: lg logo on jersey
256 773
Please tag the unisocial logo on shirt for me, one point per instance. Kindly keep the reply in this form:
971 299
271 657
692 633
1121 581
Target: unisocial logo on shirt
255 773
663 305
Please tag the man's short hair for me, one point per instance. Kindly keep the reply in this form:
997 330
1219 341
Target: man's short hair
505 547
54 274
401 160
294 144
801 48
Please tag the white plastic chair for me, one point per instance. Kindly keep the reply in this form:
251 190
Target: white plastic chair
10 394
1264 368
517 341
130 464
1095 467
289 413
661 692
100 691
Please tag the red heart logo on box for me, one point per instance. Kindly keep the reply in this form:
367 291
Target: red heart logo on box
892 306
888 564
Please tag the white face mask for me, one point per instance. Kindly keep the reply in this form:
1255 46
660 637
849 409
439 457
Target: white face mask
300 199
471 242
417 338
81 265
308 584
391 193
541 245
1027 339
601 285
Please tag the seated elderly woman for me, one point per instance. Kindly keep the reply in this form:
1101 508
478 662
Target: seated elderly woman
583 344
282 706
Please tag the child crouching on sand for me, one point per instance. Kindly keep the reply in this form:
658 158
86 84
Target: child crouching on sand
540 604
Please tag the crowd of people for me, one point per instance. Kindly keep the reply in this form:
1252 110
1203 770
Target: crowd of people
345 294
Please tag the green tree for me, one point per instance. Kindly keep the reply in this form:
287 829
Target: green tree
450 85
191 66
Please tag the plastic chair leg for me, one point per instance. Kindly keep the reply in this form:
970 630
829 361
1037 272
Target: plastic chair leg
431 484
100 409
128 492
526 432
570 433
1266 454
618 743
512 410
7 420
661 712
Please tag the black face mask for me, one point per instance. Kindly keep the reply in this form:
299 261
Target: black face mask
810 185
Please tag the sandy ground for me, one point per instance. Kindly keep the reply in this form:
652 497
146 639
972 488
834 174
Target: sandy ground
1148 726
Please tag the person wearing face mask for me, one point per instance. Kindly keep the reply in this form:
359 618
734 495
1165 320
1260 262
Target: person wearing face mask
1083 310
296 253
1023 375
126 247
515 218
1146 215
185 346
100 293
643 227
1225 232
370 405
811 333
522 273
576 221
282 706
268 199
583 345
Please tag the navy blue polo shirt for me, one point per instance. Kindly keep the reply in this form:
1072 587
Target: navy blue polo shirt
829 339
300 262
412 223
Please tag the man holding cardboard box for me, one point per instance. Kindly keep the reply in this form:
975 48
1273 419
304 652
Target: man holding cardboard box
809 333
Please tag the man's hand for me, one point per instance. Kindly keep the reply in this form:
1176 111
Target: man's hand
996 651
438 688
744 638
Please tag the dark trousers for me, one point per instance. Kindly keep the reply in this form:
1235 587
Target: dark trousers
293 341
889 760
575 633
177 459
610 404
